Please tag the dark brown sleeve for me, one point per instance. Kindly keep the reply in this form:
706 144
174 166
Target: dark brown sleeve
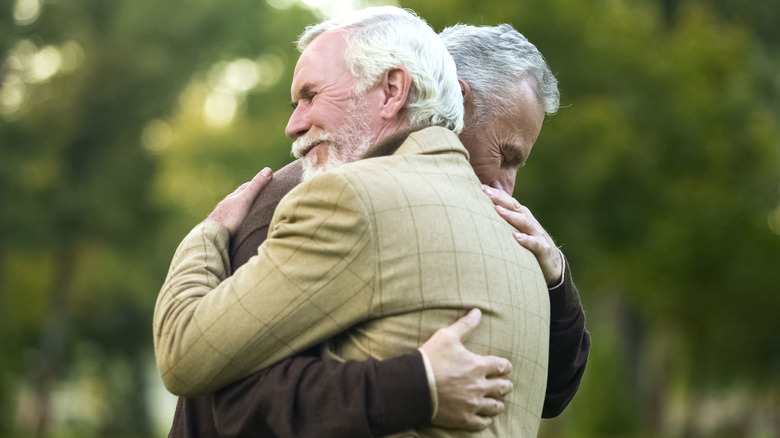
569 346
194 418
305 396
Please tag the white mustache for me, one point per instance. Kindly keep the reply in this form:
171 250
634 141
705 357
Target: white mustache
303 144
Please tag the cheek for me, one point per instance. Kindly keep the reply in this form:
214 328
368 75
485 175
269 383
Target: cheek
482 155
317 110
328 115
486 172
487 166
322 154
323 121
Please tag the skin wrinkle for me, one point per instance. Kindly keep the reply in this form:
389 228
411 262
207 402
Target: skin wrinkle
330 117
498 148
322 94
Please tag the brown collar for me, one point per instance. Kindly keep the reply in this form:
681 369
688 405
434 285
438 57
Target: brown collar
390 144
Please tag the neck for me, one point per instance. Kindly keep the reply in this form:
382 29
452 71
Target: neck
390 127
389 144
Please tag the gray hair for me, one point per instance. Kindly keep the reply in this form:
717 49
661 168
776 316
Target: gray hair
492 59
383 37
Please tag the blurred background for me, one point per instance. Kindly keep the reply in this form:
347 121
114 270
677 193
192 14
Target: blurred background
122 124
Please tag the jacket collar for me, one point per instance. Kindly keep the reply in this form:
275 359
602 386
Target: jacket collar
418 141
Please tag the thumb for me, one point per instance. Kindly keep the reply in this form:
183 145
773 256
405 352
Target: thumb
258 182
465 325
262 178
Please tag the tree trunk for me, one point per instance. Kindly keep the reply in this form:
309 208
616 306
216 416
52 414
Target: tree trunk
53 337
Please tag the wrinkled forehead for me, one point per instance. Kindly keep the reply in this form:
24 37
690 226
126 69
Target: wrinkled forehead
321 61
528 109
326 47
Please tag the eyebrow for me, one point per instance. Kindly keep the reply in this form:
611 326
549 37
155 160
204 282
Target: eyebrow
304 91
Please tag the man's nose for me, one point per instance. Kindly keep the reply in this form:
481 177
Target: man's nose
298 125
496 184
506 181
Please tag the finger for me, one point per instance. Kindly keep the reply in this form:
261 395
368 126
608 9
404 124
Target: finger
529 243
540 246
536 247
491 407
494 366
548 256
476 423
526 224
261 179
498 388
518 220
240 188
512 207
466 324
502 198
250 189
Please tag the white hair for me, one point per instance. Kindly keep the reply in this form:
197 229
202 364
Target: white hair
492 59
383 37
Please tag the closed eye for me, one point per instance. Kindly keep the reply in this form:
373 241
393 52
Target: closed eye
511 156
304 96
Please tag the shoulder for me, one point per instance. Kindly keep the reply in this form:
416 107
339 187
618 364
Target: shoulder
326 209
251 233
262 209
432 140
332 191
284 180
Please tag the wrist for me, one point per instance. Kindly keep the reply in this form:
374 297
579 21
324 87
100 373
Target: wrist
431 383
557 281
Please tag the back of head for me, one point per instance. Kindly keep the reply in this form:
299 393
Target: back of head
492 59
384 37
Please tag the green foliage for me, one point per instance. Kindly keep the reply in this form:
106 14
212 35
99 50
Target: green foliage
692 174
657 176
86 237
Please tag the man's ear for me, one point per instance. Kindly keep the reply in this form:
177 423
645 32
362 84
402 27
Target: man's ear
465 91
468 101
396 83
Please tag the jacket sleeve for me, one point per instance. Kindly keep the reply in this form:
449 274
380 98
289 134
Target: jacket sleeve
312 278
569 346
305 396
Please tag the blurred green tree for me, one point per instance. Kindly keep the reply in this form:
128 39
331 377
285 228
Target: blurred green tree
658 175
89 91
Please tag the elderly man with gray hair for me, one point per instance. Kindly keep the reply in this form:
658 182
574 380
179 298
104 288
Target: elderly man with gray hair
535 241
507 90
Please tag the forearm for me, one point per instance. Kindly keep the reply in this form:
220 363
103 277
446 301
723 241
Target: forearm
211 331
308 396
184 355
569 346
310 280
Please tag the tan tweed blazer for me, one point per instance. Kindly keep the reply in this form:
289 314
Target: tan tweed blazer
370 258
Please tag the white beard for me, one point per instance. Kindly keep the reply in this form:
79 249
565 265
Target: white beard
346 145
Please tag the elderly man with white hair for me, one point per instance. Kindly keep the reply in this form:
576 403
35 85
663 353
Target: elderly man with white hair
376 223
